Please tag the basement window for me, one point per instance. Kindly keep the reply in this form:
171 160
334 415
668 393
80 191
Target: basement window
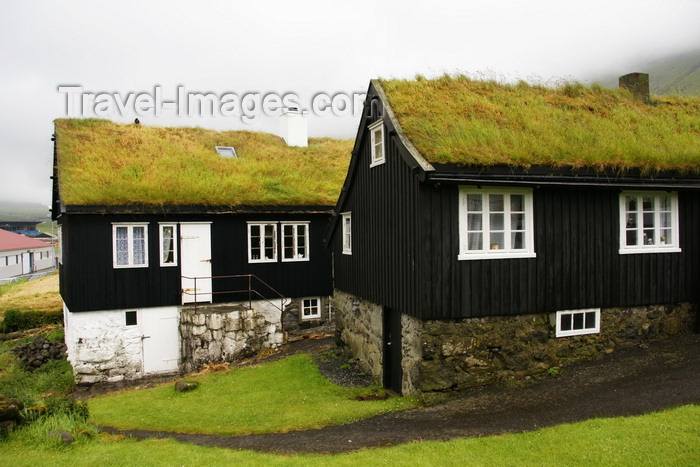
376 131
311 308
226 151
578 322
130 317
649 222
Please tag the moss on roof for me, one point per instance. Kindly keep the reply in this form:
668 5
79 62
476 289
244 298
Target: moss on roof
466 122
105 163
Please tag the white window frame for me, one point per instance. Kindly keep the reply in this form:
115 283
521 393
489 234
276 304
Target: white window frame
486 251
656 246
317 307
161 250
130 244
296 256
580 330
378 157
260 256
346 229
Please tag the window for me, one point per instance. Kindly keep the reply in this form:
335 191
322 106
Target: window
130 317
262 242
495 223
648 222
226 151
376 131
130 245
168 244
311 308
577 322
347 233
60 244
295 242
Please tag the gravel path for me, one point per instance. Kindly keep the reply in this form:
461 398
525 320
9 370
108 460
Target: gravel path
631 381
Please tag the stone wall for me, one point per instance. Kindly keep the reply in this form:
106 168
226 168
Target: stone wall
479 351
358 325
223 333
293 323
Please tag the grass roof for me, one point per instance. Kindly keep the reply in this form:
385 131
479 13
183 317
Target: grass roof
467 122
105 163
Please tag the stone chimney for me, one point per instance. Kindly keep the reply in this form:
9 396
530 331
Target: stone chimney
294 127
637 84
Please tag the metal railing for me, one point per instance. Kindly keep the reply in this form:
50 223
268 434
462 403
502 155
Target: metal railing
248 290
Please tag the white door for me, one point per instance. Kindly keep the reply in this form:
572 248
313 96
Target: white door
195 254
160 338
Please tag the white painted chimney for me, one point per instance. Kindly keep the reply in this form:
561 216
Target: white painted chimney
294 127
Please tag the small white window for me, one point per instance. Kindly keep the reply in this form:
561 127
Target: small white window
130 245
495 223
226 151
168 244
310 308
131 318
376 131
295 241
577 322
262 242
649 222
347 233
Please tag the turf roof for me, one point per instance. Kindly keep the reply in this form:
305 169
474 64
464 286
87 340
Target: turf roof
462 121
105 163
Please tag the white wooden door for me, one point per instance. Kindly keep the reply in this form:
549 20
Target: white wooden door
160 339
195 254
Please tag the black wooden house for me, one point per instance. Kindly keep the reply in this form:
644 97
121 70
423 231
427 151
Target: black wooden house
489 231
179 244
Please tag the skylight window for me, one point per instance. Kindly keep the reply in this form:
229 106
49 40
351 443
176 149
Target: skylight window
226 151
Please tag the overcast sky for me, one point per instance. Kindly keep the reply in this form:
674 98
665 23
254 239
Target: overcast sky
302 48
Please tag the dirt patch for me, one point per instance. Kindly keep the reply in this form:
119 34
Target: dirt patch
632 381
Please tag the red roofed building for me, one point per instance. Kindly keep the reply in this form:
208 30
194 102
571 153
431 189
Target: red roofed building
20 255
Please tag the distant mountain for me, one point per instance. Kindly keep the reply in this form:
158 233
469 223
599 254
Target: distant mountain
678 74
20 211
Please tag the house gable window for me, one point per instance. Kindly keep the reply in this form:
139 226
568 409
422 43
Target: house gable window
347 233
130 245
262 242
376 131
168 244
649 222
495 223
295 241
578 322
311 308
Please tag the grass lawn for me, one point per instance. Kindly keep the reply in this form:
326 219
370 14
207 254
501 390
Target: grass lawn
35 295
288 394
664 438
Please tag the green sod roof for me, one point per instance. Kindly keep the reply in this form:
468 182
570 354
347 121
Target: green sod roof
105 163
461 121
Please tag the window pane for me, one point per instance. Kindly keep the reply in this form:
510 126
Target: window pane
517 203
517 221
631 237
496 221
631 203
497 241
269 242
122 245
566 322
475 241
590 320
474 222
665 236
139 244
649 237
665 203
168 245
648 203
496 203
665 219
517 240
632 220
578 320
474 202
648 219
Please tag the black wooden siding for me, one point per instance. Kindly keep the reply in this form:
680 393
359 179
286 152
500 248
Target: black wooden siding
406 242
88 281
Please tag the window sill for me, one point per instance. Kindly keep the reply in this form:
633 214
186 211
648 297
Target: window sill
129 266
635 251
253 261
499 255
377 162
295 260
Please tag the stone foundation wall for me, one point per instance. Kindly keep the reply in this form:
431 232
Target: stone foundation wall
358 325
479 351
224 333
